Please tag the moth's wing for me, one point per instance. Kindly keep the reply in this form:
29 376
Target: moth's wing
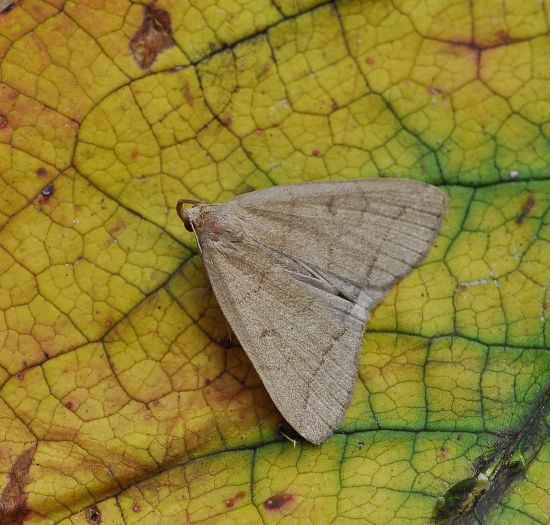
367 232
301 336
298 288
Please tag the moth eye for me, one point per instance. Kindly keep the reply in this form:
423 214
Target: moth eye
187 224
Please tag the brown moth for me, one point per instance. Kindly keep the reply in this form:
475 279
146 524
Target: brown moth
297 271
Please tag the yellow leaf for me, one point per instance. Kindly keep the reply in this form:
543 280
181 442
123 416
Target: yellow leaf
123 398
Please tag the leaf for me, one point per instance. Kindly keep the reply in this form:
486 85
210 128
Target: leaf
122 400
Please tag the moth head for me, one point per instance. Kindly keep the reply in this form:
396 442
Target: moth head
188 215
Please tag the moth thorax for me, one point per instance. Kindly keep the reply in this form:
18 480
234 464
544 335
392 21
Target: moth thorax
219 225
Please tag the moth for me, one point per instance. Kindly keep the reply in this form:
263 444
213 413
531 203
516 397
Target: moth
298 269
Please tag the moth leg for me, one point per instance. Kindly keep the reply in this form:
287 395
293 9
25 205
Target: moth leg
230 339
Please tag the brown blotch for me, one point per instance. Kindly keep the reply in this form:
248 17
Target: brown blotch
504 38
118 227
13 500
269 332
187 93
42 171
6 6
153 37
278 502
526 209
230 503
265 69
3 121
93 515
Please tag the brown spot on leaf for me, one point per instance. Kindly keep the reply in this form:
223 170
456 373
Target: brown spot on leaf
503 37
227 121
335 105
6 6
136 507
230 503
462 287
42 171
153 37
69 405
370 61
443 453
265 69
3 121
316 152
93 515
13 500
118 227
278 502
187 93
526 209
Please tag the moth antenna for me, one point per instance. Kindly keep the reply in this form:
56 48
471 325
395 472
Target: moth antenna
196 237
